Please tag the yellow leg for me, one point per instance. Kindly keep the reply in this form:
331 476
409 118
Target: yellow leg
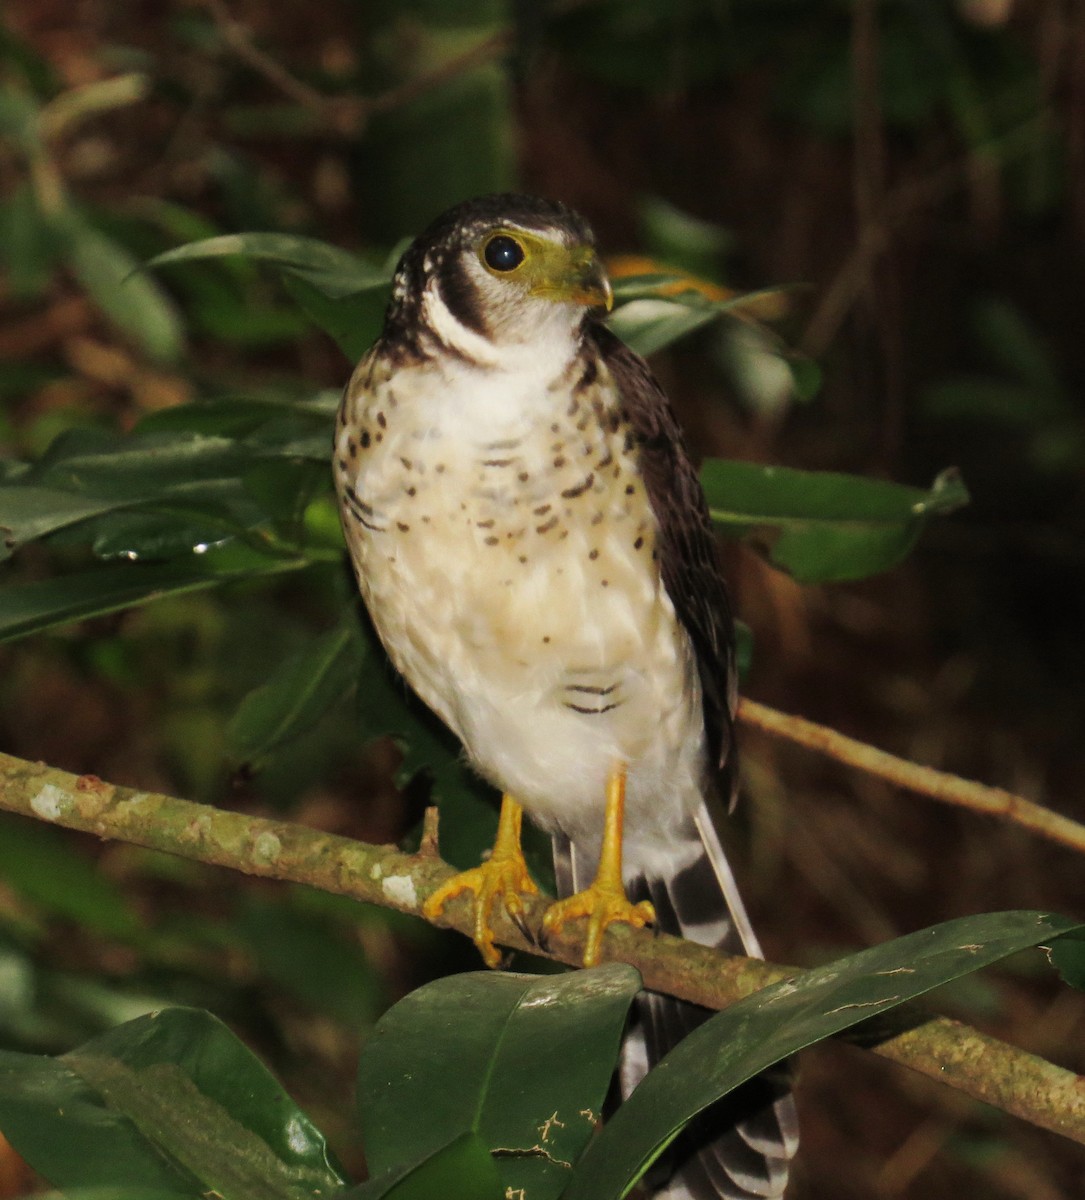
605 900
503 874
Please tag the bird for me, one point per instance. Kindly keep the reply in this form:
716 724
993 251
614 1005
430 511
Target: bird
535 552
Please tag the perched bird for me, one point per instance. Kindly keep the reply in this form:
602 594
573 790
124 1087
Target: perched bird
535 551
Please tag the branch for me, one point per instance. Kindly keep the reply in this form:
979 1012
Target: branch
981 1066
939 785
348 115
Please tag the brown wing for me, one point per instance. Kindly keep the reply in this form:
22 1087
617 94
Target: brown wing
687 547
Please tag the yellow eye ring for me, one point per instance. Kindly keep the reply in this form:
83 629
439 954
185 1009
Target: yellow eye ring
503 254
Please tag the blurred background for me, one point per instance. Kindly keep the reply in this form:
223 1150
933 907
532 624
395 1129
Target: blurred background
909 173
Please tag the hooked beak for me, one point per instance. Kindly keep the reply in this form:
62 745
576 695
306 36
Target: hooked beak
577 277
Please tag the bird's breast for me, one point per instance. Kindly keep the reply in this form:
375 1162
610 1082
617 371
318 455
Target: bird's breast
509 565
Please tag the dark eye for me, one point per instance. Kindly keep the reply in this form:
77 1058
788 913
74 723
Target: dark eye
503 253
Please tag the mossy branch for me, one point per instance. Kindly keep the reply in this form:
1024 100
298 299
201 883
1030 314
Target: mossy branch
980 1066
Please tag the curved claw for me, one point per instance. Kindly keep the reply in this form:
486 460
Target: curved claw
602 906
504 875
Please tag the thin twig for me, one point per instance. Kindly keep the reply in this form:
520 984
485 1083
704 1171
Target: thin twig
939 785
875 235
348 115
972 1062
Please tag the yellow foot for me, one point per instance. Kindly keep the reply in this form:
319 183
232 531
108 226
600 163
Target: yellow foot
503 876
602 905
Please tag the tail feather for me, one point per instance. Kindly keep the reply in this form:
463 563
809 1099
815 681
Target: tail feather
741 1147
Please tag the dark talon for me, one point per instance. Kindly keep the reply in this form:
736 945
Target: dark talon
520 921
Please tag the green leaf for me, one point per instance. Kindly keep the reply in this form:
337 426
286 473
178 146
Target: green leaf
652 324
476 1053
133 301
772 1024
1068 957
819 526
28 513
31 607
38 862
170 1101
299 692
462 1170
354 321
332 271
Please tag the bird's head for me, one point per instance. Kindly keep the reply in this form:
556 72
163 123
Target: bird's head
496 271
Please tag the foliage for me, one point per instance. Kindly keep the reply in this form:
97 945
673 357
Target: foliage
210 525
456 1087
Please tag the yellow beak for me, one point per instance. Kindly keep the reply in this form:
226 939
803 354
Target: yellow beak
575 275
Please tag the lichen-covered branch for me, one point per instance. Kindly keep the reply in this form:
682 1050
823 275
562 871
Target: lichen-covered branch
981 1066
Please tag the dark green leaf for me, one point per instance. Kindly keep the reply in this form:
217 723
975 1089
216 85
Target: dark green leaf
462 1170
335 272
31 607
1068 956
65 1131
298 694
476 1053
820 526
132 300
44 867
28 512
354 322
751 1035
170 1101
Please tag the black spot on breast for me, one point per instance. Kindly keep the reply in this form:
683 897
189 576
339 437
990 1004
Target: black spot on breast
365 439
542 510
559 462
638 544
548 525
491 540
381 421
593 555
403 527
580 488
